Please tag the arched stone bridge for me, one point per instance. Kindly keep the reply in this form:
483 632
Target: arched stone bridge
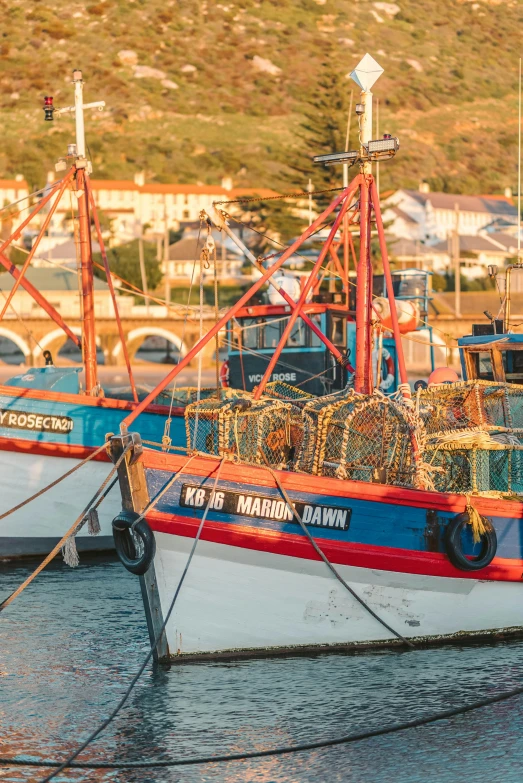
35 335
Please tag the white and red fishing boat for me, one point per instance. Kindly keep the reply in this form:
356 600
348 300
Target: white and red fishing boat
48 423
352 520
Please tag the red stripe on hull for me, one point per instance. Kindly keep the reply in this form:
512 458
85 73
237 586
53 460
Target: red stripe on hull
351 554
331 487
20 445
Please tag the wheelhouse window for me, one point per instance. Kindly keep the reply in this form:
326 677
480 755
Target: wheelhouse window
513 366
271 333
315 340
338 330
252 331
298 335
483 365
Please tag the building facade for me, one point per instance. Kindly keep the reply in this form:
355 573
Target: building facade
433 217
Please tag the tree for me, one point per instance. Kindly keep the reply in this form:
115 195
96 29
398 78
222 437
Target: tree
124 260
322 131
274 219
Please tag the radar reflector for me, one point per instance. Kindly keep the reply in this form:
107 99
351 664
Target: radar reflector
366 73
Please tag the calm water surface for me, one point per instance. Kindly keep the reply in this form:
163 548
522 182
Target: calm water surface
70 644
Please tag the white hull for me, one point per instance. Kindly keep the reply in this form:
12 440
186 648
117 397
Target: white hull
36 528
237 599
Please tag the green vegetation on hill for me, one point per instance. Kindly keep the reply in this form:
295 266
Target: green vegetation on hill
189 99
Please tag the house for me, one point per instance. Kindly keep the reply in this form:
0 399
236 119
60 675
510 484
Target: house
410 253
60 288
476 254
437 215
12 190
158 207
184 262
64 253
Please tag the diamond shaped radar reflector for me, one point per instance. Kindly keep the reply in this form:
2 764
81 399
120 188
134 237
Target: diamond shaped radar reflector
366 72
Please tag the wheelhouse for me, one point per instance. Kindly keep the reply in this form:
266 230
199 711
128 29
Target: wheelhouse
305 362
492 357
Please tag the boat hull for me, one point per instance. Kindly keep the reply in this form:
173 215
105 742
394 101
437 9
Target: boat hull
235 601
31 458
257 586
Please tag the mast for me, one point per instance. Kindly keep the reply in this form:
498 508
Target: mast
366 73
81 167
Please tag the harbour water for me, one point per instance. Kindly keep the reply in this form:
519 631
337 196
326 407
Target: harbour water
71 643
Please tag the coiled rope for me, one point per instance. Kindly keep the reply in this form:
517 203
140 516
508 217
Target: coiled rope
68 762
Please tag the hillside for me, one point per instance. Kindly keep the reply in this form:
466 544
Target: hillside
199 89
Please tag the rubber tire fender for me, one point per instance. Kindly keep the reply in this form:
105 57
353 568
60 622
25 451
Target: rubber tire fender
453 544
124 544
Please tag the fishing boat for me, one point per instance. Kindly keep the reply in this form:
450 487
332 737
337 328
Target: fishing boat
48 423
355 520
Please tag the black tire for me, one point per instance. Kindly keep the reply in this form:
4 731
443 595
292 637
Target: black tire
453 545
125 542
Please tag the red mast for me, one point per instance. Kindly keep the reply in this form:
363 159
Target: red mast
81 167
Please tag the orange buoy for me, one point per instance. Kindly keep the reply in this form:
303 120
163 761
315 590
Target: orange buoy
443 375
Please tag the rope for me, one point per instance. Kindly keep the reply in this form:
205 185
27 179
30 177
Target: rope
53 483
277 198
346 739
148 657
72 531
329 564
162 492
166 439
27 198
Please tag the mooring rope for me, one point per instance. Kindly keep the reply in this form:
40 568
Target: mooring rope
149 655
346 739
328 563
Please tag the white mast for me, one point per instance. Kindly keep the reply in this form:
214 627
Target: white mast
366 73
78 110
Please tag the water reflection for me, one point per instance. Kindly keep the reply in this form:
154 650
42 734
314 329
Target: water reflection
70 644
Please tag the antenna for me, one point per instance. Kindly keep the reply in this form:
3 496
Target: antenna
78 111
366 73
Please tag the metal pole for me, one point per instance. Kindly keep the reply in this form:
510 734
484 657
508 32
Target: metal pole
363 380
79 113
519 167
86 276
111 288
390 289
457 265
228 315
143 272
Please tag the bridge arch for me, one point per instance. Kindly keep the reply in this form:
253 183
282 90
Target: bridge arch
18 341
136 337
56 339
